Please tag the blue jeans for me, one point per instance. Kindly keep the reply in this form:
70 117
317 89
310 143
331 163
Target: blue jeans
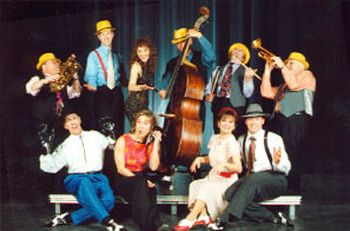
94 195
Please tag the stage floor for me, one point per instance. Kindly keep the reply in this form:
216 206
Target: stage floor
31 217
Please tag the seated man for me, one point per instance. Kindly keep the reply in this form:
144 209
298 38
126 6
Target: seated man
267 165
82 152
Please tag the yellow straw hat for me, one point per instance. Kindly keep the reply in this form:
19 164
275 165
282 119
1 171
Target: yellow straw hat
242 47
103 25
179 35
298 57
43 58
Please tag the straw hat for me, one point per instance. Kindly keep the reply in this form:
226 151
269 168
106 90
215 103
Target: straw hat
103 25
43 58
242 47
298 57
254 110
179 35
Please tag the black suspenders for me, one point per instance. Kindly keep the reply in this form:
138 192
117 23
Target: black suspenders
267 150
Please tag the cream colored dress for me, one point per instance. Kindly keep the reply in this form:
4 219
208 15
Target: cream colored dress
211 189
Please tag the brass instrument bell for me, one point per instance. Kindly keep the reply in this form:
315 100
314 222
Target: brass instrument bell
263 53
67 70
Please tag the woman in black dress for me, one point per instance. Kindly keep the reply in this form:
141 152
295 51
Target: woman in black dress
142 68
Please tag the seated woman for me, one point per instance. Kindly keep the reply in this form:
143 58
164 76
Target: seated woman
206 196
134 155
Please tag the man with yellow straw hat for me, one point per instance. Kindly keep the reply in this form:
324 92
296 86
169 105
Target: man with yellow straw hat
231 85
293 106
204 59
48 106
205 62
104 75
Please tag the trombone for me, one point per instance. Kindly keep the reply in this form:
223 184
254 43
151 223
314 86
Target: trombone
262 53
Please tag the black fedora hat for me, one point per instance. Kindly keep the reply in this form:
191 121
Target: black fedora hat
254 110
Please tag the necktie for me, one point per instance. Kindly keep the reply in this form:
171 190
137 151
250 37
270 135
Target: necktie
59 104
110 72
251 155
226 82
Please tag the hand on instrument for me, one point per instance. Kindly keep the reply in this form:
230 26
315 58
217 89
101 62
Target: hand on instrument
162 94
209 98
195 164
76 76
278 62
249 74
194 33
269 66
51 78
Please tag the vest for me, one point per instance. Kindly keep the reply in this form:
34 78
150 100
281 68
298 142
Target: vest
296 101
237 98
44 104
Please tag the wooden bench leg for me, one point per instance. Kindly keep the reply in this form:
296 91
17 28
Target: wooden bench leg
57 208
292 212
173 209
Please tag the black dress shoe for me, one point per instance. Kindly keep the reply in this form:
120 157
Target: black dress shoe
283 220
218 224
163 227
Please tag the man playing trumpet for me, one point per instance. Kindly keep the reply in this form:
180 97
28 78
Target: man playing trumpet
293 105
231 85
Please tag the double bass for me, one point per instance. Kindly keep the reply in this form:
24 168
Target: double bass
185 128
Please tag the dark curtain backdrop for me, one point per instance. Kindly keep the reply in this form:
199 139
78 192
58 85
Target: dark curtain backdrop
317 28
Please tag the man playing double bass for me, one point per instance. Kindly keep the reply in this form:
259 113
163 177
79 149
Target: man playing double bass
204 60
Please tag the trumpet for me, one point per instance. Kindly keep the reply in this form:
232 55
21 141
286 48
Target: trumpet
263 53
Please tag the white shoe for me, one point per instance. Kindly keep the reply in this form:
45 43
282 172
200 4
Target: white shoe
58 220
113 226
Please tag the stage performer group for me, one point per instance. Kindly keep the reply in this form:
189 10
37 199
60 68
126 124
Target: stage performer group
253 155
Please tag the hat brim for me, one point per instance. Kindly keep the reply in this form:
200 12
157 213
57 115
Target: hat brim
305 63
38 65
178 40
251 115
243 48
104 29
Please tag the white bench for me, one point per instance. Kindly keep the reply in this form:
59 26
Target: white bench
174 200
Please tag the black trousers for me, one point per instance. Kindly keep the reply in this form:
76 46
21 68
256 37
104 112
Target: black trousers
142 199
293 131
243 196
110 103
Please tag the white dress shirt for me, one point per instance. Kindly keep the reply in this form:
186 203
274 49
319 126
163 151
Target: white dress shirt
79 153
262 162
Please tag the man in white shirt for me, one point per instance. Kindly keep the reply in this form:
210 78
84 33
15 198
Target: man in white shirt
83 154
267 164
